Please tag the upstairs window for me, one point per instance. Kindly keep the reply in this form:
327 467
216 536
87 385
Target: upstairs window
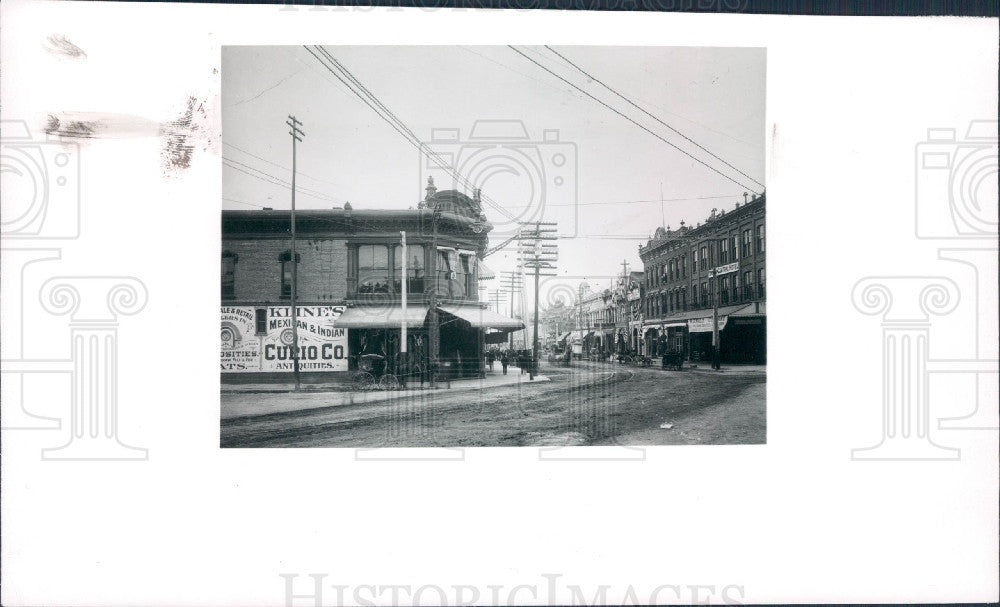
373 269
746 243
760 239
228 275
415 272
724 251
286 274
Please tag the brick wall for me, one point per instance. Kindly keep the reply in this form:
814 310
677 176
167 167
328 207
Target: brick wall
322 274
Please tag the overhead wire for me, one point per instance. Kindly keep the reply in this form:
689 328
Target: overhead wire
641 126
643 110
372 101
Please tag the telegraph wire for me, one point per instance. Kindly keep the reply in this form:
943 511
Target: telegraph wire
409 135
686 153
275 164
398 125
633 104
277 180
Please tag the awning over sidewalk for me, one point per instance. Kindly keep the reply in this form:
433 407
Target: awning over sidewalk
484 272
482 318
381 317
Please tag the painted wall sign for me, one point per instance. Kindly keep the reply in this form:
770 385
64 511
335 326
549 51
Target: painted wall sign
322 345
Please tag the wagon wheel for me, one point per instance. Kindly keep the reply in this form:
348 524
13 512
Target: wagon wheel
388 382
362 380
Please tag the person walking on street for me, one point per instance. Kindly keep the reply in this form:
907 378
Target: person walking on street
504 361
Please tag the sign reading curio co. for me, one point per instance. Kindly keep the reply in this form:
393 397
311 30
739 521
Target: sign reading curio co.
244 349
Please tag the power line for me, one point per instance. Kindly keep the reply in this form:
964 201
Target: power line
410 135
633 104
689 155
372 101
587 204
277 180
280 166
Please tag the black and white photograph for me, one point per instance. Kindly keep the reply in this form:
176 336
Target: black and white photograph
307 302
452 246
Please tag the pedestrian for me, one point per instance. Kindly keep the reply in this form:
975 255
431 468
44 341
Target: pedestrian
504 361
490 356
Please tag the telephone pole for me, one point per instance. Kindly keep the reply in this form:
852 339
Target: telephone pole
297 135
537 254
511 281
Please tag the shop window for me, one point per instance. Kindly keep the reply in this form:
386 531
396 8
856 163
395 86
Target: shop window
373 269
415 272
286 274
228 275
260 321
760 239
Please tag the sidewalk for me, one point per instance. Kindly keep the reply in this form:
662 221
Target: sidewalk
245 400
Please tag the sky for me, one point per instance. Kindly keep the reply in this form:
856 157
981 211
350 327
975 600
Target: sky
539 149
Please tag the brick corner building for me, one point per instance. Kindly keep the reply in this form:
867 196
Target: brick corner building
681 294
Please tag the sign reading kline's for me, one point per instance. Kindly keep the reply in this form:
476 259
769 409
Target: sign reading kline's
253 345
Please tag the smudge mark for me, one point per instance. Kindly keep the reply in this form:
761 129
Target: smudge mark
179 135
69 129
59 45
94 125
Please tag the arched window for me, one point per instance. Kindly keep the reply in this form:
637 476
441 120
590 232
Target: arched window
229 275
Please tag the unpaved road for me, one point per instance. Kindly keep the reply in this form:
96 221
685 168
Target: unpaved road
588 404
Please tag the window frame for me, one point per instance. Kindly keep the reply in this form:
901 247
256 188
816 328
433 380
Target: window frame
230 292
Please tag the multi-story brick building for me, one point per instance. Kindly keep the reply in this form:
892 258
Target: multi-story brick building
349 288
680 267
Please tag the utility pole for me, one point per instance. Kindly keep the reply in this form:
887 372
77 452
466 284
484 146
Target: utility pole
403 360
512 282
434 328
297 135
715 319
538 255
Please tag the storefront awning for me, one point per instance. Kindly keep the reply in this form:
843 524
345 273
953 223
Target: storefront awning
381 317
484 272
482 318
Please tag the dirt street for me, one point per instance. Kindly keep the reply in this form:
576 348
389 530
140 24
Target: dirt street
587 404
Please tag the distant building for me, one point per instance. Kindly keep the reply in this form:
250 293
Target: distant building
349 289
681 293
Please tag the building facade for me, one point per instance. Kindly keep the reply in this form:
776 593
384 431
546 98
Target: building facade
689 272
349 290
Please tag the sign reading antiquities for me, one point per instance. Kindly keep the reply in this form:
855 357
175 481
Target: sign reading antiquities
256 340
